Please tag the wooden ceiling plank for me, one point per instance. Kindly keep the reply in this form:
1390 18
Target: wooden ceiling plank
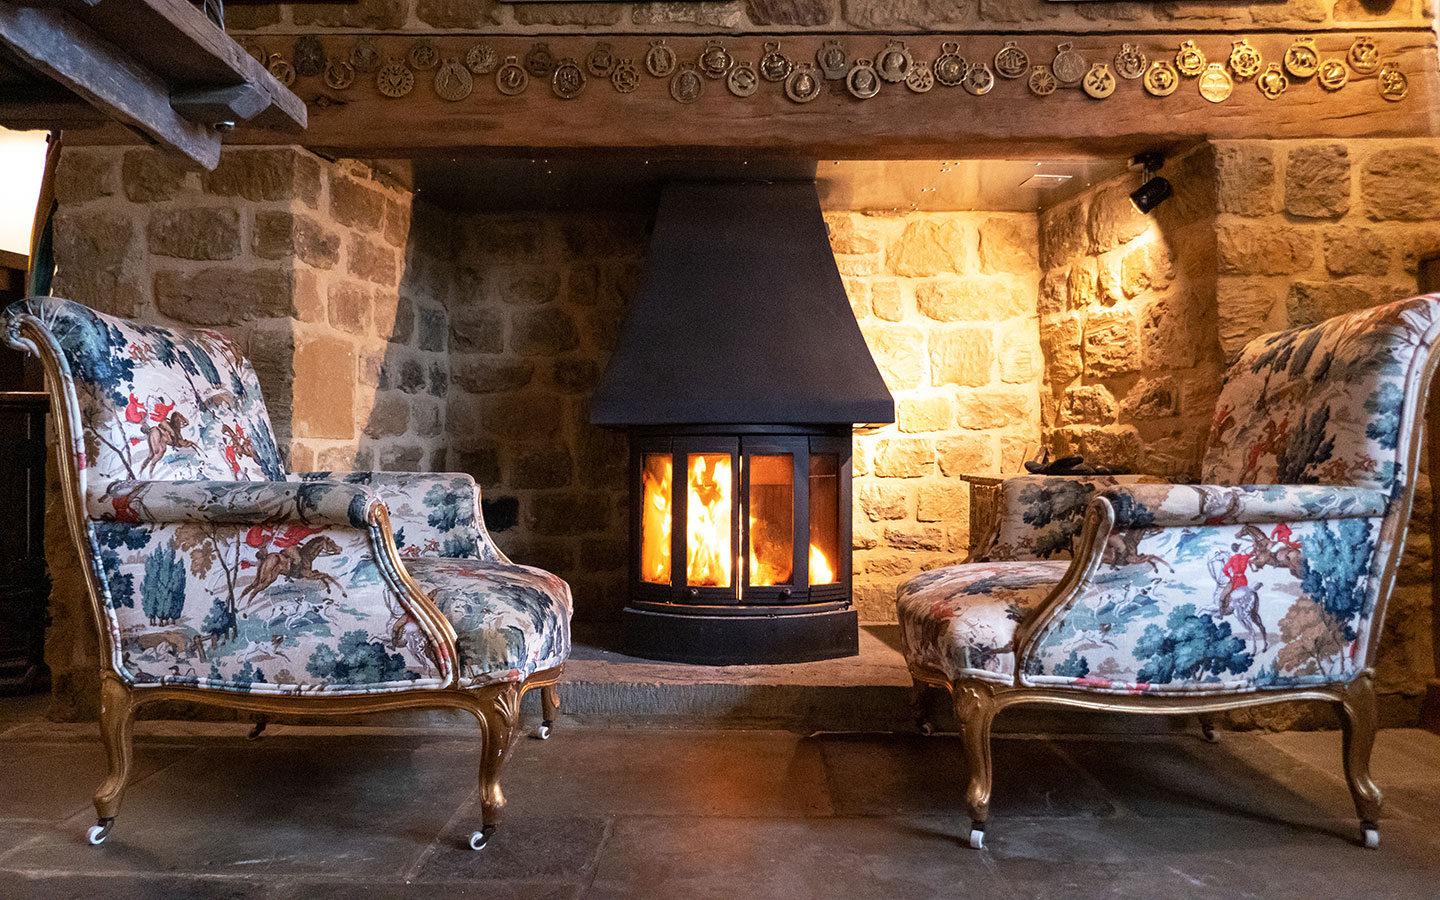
58 46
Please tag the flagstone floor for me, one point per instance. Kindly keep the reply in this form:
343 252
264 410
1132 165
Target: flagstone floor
604 812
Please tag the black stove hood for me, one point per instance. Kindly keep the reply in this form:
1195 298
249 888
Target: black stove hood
741 318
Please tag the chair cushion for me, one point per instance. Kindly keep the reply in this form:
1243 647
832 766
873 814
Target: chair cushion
510 621
961 620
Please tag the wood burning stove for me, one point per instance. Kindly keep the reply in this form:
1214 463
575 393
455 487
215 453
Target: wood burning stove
745 535
740 370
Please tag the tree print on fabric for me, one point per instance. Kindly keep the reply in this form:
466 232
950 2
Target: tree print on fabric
1312 639
162 593
1336 568
359 660
1190 645
1060 500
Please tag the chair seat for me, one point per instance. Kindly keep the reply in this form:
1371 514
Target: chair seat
510 621
961 620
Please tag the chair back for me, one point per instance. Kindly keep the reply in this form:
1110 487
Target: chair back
153 403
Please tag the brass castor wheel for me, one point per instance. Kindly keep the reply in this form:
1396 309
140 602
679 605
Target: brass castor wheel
100 831
927 727
1372 835
1207 731
543 732
479 839
977 835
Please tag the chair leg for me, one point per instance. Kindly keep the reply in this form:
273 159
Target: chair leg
117 725
975 709
498 715
1358 722
1207 728
550 710
919 692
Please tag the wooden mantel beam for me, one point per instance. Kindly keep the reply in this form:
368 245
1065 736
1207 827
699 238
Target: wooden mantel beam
898 123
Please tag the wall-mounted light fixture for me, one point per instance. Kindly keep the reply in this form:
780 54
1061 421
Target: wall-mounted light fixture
1153 190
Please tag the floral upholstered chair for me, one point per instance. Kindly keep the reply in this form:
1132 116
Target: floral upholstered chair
1265 583
218 577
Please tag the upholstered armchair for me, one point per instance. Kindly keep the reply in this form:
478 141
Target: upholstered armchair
1266 583
218 577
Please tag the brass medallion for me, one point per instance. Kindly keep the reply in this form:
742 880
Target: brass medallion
626 76
1189 60
862 81
893 63
1272 82
774 65
309 56
950 67
339 74
281 70
833 59
394 79
1130 62
1332 74
921 78
687 84
715 60
511 78
1364 56
568 79
1216 85
540 62
365 56
1099 81
601 61
1042 81
1011 61
1162 78
256 50
743 80
453 81
1301 58
481 59
803 83
423 55
1393 83
1068 66
659 59
979 79
1244 59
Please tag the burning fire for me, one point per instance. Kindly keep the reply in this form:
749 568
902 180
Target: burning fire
820 570
707 511
655 521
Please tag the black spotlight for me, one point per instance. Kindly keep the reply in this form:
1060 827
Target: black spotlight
1153 190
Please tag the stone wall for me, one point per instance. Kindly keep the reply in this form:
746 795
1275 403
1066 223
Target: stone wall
318 269
947 302
750 16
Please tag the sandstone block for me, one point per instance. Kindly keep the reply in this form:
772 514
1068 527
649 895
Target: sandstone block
1174 331
1249 308
852 234
428 419
1151 398
349 304
1000 407
86 240
899 351
858 265
522 285
1054 292
1114 220
432 328
1111 344
1268 249
887 301
927 538
962 355
543 332
152 175
943 503
790 12
541 467
371 261
966 454
411 379
1116 445
568 14
725 15
1402 183
1317 181
975 298
1355 251
399 326
473 328
568 512
281 235
857 291
356 204
1245 176
401 459
324 389
1060 343
933 412
1315 301
85 175
482 464
224 295
1020 359
906 14
575 376
530 417
508 238
458 14
883 502
1147 265
484 376
381 14
904 457
390 416
932 246
1008 245
1090 404
281 174
397 223
1109 287
889 564
1082 287
1063 233
205 233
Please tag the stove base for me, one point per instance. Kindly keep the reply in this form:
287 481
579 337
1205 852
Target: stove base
737 640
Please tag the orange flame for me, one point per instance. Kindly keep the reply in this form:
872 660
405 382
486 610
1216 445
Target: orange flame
707 511
655 521
820 569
